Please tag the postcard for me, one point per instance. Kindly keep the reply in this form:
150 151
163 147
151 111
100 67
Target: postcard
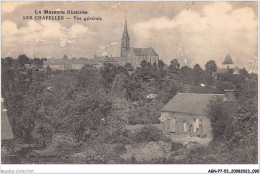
130 82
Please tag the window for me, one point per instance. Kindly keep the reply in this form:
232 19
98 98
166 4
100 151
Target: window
173 124
185 126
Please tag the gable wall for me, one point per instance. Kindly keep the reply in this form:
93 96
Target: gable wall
190 119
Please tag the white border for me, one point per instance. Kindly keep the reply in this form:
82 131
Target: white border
142 168
118 168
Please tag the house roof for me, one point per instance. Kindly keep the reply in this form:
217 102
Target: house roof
221 71
70 61
54 62
6 129
190 103
144 51
107 59
225 70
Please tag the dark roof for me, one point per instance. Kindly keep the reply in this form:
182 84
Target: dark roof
190 103
6 129
144 51
54 62
107 59
85 61
70 61
225 70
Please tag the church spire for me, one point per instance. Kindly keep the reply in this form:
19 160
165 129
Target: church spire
125 33
125 41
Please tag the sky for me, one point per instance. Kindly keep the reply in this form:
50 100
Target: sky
193 32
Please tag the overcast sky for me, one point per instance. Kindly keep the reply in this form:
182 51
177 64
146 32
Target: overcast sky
193 32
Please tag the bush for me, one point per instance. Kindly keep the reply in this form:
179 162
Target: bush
176 146
62 143
149 133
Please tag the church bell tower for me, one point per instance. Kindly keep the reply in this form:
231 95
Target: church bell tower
125 41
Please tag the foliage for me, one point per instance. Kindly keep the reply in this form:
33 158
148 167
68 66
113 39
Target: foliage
149 133
234 124
23 59
211 66
48 68
198 74
108 72
174 66
92 107
223 85
186 75
220 115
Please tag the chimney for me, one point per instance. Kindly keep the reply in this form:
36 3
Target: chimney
230 95
236 71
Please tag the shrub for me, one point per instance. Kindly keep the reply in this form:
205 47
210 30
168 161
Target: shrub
62 143
176 146
149 133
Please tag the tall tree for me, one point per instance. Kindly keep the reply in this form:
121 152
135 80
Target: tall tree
198 74
211 66
186 74
23 59
174 66
161 64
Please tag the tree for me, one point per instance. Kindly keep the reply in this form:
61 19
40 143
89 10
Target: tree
186 74
129 67
161 64
144 64
198 74
154 70
221 86
243 72
220 117
89 78
144 71
119 83
48 68
108 72
211 66
174 67
7 61
38 61
133 88
208 78
23 59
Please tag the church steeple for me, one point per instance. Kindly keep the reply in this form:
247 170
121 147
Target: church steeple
125 41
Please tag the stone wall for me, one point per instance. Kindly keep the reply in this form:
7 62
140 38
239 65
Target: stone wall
181 123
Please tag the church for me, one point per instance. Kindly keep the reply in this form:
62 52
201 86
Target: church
135 56
131 55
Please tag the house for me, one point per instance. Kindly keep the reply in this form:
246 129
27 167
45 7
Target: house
7 136
225 71
227 67
186 113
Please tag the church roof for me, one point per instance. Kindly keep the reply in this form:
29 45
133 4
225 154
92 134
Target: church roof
190 103
125 33
6 129
144 51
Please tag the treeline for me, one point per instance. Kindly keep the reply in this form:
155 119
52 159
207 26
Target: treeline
96 104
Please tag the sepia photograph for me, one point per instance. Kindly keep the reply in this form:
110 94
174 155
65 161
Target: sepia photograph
129 82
